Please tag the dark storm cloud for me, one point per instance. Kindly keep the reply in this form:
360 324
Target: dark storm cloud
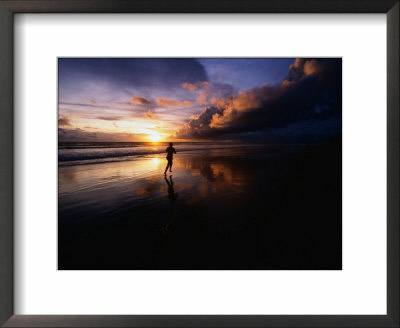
199 126
310 92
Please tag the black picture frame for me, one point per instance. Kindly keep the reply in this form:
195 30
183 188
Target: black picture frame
10 7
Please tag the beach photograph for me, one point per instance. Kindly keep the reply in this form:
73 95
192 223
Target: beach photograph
199 163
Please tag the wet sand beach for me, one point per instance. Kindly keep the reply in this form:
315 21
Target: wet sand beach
261 207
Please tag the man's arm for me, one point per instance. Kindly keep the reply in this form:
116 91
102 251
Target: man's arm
174 150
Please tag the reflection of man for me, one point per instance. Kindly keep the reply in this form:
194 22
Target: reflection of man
170 154
172 195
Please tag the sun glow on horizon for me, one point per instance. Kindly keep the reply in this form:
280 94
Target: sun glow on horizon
154 137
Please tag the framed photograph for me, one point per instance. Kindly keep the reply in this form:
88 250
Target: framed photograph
214 164
168 172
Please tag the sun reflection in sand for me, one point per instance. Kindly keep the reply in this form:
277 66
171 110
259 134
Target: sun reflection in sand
197 177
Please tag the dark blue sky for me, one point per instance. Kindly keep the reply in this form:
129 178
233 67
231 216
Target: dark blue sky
247 73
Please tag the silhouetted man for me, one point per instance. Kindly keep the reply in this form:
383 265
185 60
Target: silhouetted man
170 154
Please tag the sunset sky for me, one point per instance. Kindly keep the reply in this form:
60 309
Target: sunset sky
182 99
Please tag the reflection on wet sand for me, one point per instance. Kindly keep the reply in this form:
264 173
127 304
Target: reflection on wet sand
233 209
218 170
172 196
73 178
127 184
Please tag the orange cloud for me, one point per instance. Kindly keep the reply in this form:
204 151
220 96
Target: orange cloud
244 101
196 85
140 101
303 67
202 98
218 102
297 63
286 83
165 102
150 115
93 101
206 84
312 67
189 86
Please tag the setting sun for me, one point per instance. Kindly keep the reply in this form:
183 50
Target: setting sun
154 137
